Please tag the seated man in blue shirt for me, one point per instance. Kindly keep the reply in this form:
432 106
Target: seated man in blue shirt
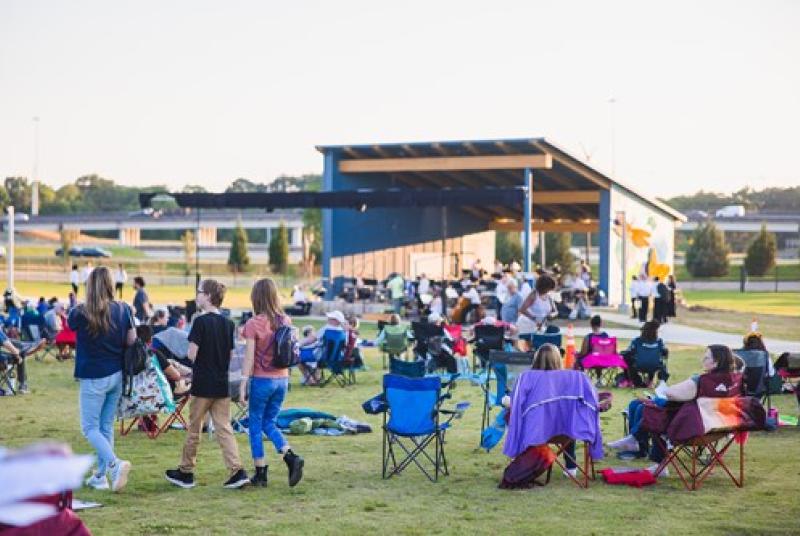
15 352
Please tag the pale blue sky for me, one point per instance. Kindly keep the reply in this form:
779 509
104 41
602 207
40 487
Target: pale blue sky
191 92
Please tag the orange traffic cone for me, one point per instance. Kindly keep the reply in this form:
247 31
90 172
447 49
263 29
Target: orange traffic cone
569 358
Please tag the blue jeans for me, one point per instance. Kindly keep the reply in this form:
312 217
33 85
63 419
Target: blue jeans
646 446
266 397
98 405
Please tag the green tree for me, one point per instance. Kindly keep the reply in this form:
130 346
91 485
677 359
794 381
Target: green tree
761 253
19 193
237 257
507 246
5 200
707 255
556 251
279 250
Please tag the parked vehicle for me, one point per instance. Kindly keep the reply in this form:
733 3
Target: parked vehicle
730 211
73 252
95 252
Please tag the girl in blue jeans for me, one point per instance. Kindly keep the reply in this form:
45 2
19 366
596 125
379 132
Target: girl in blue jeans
103 328
267 384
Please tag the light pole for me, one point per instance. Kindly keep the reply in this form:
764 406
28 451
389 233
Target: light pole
35 175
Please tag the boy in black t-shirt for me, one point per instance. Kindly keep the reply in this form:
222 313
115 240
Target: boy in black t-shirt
210 346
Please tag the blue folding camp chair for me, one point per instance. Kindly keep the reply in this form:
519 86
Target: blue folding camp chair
412 425
486 339
505 367
7 374
332 360
412 369
756 374
648 361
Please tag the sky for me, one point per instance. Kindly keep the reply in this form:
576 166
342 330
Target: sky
705 94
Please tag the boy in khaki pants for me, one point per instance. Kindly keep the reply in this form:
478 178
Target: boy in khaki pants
210 347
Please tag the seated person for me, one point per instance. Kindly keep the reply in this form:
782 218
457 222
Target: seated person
159 321
394 320
548 357
647 341
170 368
335 322
16 352
440 350
754 341
352 354
54 319
581 309
308 348
596 323
717 358
302 305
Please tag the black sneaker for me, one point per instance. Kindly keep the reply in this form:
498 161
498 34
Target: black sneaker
238 480
260 477
179 478
295 465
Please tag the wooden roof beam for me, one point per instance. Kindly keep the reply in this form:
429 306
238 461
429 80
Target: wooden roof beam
548 226
445 163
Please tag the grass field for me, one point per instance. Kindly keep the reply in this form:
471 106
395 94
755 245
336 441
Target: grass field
237 297
786 272
778 314
343 491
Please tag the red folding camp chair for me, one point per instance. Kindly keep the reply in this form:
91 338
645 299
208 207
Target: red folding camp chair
695 459
584 472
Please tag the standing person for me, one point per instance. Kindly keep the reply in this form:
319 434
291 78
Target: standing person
267 384
537 307
120 278
673 289
661 301
396 287
210 348
510 309
141 301
634 290
87 271
645 291
103 330
74 279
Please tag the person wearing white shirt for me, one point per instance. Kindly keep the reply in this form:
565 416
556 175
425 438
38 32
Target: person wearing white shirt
74 279
120 278
645 291
87 271
501 290
634 290
424 285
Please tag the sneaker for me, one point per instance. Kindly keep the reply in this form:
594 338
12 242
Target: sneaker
179 478
260 477
295 465
663 474
119 474
626 443
237 480
98 481
23 389
573 473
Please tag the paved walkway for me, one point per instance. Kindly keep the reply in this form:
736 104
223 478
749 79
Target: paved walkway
679 334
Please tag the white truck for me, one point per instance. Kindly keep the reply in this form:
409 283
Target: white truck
730 211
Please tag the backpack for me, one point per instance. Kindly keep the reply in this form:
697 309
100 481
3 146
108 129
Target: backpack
286 351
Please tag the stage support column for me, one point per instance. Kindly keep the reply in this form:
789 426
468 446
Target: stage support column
526 222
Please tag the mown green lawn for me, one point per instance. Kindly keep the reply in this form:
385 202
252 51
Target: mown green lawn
774 303
343 491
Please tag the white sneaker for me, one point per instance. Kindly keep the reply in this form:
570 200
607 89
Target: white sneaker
571 473
119 474
97 481
663 474
626 443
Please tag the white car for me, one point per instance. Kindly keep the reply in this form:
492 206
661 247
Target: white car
731 211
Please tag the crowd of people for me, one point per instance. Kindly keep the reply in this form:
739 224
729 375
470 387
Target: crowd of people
520 305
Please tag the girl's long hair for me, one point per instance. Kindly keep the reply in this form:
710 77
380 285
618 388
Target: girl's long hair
99 296
264 297
547 357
